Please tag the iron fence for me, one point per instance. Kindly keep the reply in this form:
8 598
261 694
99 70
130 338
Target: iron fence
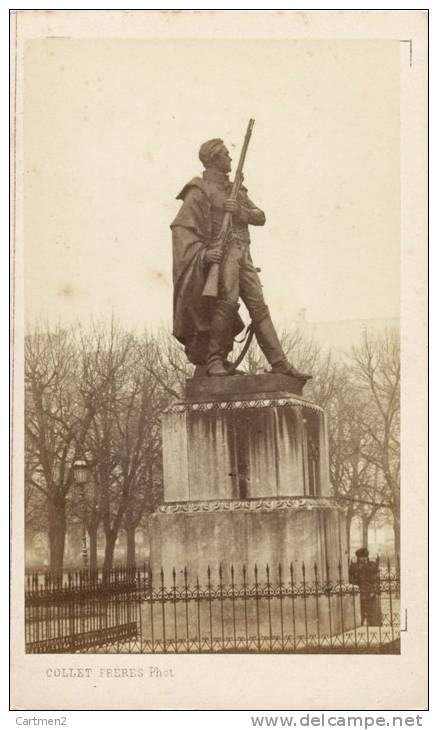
291 609
78 610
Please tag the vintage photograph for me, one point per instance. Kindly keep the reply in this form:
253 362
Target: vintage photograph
210 319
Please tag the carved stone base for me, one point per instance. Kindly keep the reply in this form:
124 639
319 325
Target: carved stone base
196 535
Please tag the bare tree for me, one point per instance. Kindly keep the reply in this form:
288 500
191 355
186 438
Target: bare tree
106 354
35 513
56 420
376 369
168 363
347 471
124 440
139 429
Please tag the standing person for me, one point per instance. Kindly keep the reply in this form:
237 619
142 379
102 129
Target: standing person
365 574
207 328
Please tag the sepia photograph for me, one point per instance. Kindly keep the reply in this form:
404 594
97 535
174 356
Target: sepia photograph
212 322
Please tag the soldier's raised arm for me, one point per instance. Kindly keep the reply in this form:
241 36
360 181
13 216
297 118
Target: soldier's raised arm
244 211
256 216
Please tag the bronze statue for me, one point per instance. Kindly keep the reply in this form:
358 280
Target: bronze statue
207 324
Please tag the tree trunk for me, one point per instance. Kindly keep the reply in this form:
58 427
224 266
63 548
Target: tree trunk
365 527
57 530
348 519
110 544
130 545
396 527
92 532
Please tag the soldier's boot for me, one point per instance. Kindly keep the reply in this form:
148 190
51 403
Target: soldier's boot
231 370
271 347
220 326
201 370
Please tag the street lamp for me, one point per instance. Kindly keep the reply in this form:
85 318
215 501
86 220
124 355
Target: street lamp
80 475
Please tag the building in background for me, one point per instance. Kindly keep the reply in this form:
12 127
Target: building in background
341 335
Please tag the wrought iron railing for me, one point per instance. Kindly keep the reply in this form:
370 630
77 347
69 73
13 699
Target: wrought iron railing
227 610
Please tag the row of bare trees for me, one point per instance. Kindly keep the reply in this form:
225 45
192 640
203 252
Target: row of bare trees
90 395
97 394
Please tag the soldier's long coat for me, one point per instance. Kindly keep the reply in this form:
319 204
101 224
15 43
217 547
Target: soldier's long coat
191 234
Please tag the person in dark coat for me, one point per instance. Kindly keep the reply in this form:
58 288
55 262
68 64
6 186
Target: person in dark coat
208 327
365 574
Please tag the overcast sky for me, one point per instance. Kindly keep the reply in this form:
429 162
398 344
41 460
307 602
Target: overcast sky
112 130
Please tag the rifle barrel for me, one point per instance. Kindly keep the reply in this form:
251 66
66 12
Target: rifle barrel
212 282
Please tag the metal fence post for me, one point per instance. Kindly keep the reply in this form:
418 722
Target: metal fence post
186 604
221 597
245 605
303 572
280 598
292 594
268 586
341 590
175 618
198 613
210 616
151 600
233 603
163 609
315 571
256 585
329 605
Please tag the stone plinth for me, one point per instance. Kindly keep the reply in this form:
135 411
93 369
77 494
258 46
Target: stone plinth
246 482
244 445
208 388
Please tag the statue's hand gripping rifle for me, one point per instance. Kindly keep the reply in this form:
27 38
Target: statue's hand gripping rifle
211 287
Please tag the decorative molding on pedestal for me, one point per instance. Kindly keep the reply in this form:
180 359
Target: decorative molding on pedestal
287 402
248 505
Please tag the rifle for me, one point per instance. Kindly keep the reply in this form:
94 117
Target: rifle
211 287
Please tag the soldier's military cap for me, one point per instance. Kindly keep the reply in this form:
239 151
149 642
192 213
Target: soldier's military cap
208 150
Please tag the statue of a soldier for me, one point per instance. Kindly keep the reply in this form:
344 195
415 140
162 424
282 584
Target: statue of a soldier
207 326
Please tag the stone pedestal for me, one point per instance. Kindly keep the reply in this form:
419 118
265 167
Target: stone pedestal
246 480
245 444
249 544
